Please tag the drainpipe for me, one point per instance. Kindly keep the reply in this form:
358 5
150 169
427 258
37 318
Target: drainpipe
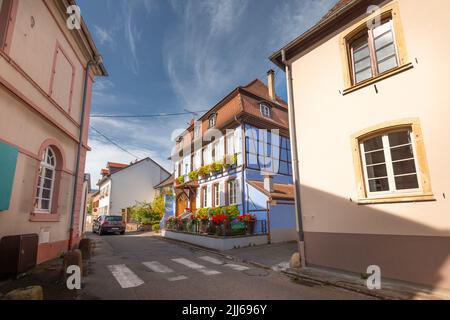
295 161
80 146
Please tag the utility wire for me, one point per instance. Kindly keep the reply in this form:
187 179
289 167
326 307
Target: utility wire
148 115
115 143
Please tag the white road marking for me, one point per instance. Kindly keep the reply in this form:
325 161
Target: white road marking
125 277
212 260
236 267
196 266
178 278
157 267
233 266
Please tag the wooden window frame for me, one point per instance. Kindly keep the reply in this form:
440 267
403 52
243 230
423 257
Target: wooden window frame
204 197
8 12
424 193
215 194
354 32
228 186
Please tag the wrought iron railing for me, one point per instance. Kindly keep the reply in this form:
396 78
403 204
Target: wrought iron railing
225 229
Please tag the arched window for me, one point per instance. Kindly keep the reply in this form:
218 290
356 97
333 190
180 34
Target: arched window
46 181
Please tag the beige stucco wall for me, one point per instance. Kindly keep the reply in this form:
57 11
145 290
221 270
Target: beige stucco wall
26 71
326 120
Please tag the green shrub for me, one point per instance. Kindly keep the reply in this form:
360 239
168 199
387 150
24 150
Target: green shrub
193 175
156 227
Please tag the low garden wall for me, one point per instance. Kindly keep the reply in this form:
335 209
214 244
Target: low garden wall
217 242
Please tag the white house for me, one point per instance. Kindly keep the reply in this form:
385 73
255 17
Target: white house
122 186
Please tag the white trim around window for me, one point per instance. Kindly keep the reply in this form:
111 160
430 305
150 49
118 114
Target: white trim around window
390 163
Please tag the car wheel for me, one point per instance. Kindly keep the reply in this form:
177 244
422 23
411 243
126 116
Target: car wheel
122 232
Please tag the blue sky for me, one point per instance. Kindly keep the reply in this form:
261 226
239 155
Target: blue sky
165 56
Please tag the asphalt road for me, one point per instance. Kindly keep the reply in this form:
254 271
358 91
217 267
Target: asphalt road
146 267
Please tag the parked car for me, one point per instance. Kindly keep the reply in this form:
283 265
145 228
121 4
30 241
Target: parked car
108 224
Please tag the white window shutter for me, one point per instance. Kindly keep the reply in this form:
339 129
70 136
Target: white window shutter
208 197
238 191
222 193
237 140
198 203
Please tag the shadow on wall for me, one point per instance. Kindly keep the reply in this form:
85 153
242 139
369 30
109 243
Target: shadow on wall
403 249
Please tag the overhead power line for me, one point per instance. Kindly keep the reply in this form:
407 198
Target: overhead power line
115 143
147 115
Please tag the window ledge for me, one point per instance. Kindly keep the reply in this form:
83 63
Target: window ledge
398 199
381 77
44 217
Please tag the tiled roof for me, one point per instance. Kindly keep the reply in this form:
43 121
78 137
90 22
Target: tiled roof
338 5
281 191
258 88
117 165
166 183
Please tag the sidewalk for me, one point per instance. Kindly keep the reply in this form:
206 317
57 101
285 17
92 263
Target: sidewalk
276 257
46 275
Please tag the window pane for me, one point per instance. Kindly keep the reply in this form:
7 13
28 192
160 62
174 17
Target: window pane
383 28
401 153
363 75
378 185
360 48
375 157
45 205
48 173
373 144
404 167
387 64
362 65
383 40
385 53
114 218
47 183
46 194
407 182
399 138
378 171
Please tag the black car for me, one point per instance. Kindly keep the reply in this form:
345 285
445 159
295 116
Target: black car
109 224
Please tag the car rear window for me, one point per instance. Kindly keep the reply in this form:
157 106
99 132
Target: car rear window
114 218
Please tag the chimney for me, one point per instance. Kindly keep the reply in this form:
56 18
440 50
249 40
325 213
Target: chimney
271 84
268 183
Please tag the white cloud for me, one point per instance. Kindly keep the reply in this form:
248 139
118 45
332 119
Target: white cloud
103 36
292 18
194 55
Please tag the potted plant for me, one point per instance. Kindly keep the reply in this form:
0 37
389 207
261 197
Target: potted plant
216 167
203 218
221 222
229 161
180 180
249 220
193 175
204 171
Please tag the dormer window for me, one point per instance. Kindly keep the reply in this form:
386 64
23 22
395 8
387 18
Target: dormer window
265 110
212 120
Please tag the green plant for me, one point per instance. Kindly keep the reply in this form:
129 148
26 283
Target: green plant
202 214
216 166
143 213
204 171
180 180
232 212
193 175
229 161
156 227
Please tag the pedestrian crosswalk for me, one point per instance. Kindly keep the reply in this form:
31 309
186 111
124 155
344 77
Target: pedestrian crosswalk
126 278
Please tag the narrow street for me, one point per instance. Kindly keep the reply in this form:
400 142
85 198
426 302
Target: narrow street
146 267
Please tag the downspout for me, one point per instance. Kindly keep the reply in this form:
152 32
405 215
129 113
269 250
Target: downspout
80 146
295 161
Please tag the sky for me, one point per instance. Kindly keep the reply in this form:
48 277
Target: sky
173 56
